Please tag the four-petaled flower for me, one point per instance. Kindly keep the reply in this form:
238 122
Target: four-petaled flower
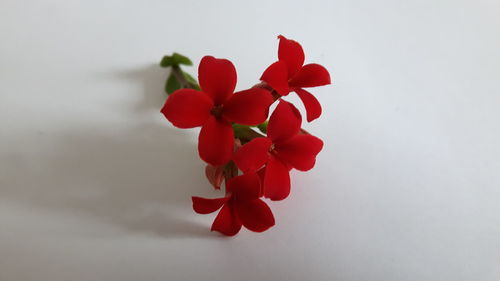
215 107
240 206
285 147
290 74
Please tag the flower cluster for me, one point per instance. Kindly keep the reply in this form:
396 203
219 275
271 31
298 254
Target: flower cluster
253 156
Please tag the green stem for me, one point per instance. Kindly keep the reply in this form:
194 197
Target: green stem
245 133
179 76
230 171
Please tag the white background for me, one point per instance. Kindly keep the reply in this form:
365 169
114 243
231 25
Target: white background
96 185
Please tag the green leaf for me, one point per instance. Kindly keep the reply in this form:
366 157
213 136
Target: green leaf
182 59
175 59
172 84
191 80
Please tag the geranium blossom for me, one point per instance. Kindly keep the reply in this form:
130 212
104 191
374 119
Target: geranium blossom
290 74
215 107
283 148
240 207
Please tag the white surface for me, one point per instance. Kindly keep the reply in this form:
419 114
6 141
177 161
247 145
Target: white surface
96 185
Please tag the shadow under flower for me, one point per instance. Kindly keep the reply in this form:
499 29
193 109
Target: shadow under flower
139 179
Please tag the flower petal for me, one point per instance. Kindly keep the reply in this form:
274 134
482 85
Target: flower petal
252 155
261 173
187 108
245 187
254 215
284 123
249 107
300 151
311 75
290 52
226 221
312 105
206 205
276 76
276 180
217 78
215 175
215 142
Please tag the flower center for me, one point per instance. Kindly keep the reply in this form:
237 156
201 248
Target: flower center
217 111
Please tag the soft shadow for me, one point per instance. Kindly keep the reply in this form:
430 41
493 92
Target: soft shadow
139 179
152 78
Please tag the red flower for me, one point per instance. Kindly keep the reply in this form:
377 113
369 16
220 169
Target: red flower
283 148
215 107
289 74
240 206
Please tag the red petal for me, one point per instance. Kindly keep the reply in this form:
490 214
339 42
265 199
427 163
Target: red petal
276 180
245 187
187 108
284 123
215 142
226 221
262 174
206 205
249 107
217 78
291 53
215 175
300 152
311 75
252 155
276 76
254 215
312 105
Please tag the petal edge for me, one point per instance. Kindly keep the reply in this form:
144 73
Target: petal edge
215 142
187 108
311 75
311 104
217 78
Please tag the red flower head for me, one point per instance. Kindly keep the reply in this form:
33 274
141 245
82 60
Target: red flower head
240 206
215 107
290 74
283 148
